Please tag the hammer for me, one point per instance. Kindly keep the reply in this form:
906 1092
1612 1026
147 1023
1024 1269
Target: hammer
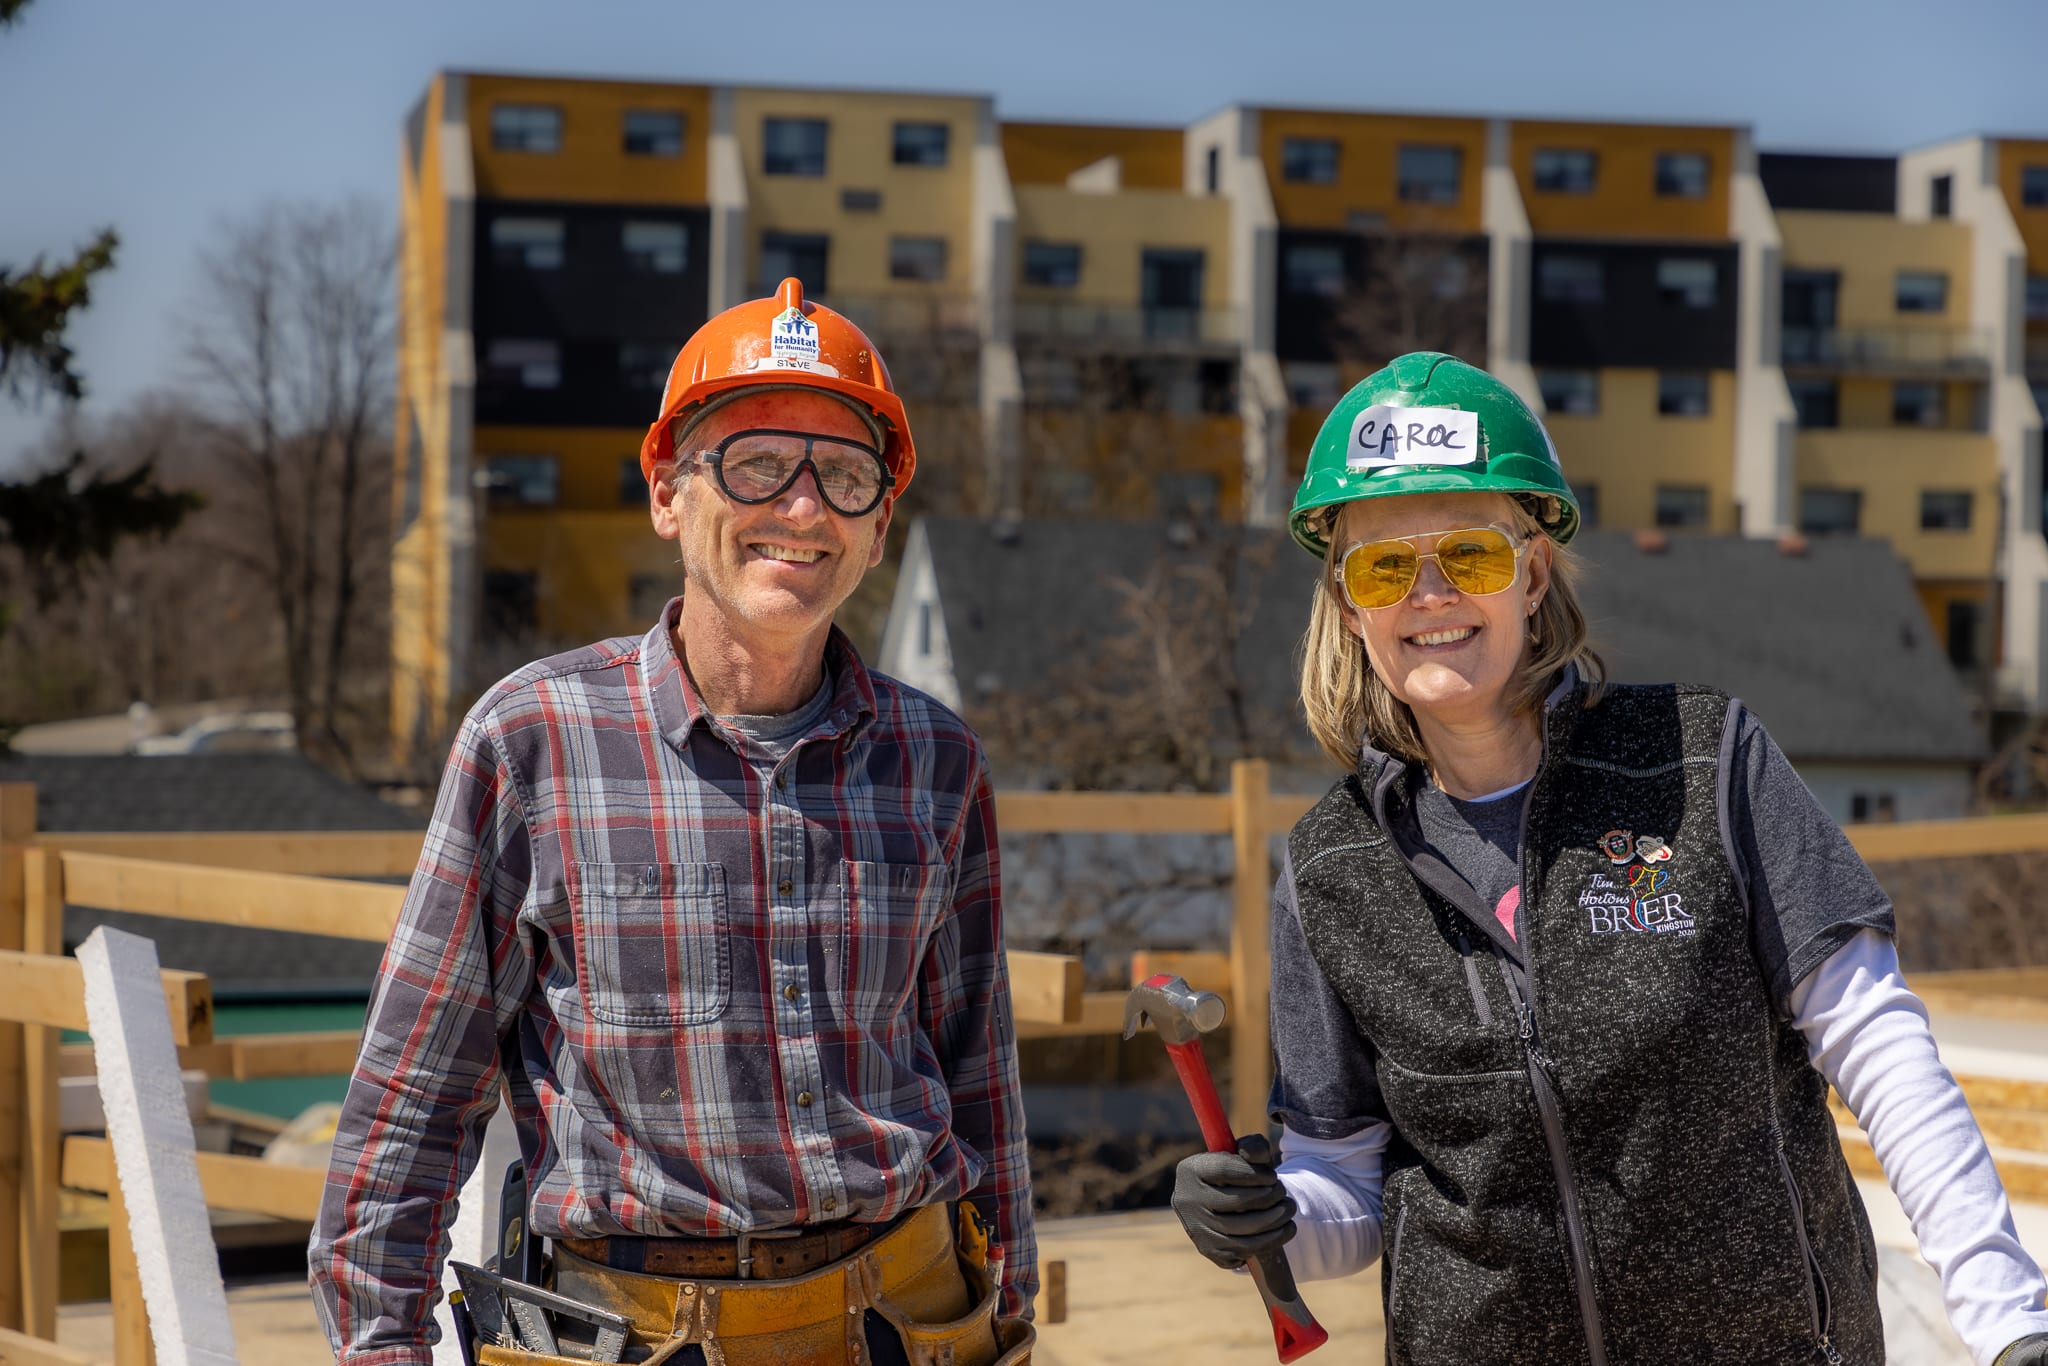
1181 1016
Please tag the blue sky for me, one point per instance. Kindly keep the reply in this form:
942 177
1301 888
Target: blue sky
162 119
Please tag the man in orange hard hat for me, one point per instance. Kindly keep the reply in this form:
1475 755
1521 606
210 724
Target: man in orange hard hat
718 908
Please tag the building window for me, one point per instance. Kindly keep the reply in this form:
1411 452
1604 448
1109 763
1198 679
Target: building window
1571 280
2037 298
1921 291
632 483
647 595
1681 505
1816 402
1687 282
527 243
1426 173
659 248
1170 291
645 365
921 144
1682 175
1869 806
1187 494
917 258
1588 498
511 604
1212 168
793 146
525 363
652 133
2034 187
526 128
1052 265
1569 393
1313 269
1968 643
1830 512
1683 393
1309 161
1918 403
1566 170
1945 509
861 201
533 481
1312 385
1941 196
802 254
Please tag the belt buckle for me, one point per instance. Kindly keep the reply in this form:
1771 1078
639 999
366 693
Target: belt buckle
746 1242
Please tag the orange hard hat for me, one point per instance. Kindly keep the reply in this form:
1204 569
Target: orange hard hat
783 341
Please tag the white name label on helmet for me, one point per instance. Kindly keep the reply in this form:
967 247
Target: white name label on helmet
792 340
1382 437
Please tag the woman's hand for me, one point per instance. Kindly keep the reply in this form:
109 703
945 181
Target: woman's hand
1233 1205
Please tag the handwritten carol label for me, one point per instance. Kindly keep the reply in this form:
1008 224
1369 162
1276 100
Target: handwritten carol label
1382 437
793 340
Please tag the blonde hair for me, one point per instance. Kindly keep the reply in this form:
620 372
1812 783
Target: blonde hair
1348 704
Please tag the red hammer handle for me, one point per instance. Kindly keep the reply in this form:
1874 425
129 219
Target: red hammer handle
1295 1330
1201 1088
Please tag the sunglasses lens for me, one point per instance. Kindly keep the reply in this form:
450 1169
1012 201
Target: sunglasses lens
1379 574
1477 562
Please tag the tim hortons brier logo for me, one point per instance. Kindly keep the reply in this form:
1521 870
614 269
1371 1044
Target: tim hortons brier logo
1633 895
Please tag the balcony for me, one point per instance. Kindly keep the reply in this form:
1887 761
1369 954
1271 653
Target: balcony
1126 327
1953 352
912 315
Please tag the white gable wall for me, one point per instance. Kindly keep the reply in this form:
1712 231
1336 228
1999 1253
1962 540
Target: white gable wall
914 647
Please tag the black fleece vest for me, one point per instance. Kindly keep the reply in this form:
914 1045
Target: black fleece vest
1610 1103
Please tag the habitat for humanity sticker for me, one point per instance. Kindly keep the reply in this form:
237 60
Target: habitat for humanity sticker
793 340
1383 437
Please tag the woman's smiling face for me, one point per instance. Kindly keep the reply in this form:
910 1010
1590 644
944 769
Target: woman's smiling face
1449 655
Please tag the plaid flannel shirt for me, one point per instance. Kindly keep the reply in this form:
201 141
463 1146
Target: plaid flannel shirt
723 1003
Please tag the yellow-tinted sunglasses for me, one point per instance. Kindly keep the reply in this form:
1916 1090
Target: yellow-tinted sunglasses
1476 561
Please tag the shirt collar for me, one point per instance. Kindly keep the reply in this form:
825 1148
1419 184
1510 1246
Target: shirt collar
679 708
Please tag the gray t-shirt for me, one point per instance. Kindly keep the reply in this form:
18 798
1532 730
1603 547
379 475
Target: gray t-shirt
769 737
1808 894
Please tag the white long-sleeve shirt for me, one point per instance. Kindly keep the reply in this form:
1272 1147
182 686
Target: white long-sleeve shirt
1868 1035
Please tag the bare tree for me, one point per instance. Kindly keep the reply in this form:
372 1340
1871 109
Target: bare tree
1419 292
293 341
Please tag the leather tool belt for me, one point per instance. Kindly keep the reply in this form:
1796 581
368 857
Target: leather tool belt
776 1255
938 1295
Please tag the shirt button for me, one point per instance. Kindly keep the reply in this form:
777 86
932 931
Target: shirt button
830 1204
782 780
792 992
803 1098
785 886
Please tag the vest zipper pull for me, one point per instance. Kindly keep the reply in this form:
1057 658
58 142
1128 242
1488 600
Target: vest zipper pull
1828 1349
1528 1027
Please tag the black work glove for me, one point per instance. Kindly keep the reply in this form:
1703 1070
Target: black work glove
1232 1204
2028 1351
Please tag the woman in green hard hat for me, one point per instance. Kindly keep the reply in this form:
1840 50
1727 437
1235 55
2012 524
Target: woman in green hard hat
1562 969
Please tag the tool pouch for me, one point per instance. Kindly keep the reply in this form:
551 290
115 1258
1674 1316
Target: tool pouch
976 1338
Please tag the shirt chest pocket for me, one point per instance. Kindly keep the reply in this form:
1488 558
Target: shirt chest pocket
653 942
890 913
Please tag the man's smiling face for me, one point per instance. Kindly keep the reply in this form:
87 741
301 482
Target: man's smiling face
778 569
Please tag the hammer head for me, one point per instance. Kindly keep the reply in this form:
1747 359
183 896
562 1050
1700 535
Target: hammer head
1176 1011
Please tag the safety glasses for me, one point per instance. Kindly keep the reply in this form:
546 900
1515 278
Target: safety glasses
758 465
1476 561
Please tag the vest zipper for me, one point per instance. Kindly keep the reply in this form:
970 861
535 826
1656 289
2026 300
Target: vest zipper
1818 1300
1479 1002
1560 1168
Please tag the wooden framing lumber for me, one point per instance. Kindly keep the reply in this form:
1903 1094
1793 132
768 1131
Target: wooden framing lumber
331 853
1251 896
1201 969
227 1181
1100 1012
1888 842
249 1057
1096 813
232 896
1045 987
17 830
42 934
19 1349
43 989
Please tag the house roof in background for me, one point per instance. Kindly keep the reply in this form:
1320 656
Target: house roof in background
225 792
1830 647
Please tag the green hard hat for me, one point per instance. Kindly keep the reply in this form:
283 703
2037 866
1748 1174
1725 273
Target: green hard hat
1462 430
